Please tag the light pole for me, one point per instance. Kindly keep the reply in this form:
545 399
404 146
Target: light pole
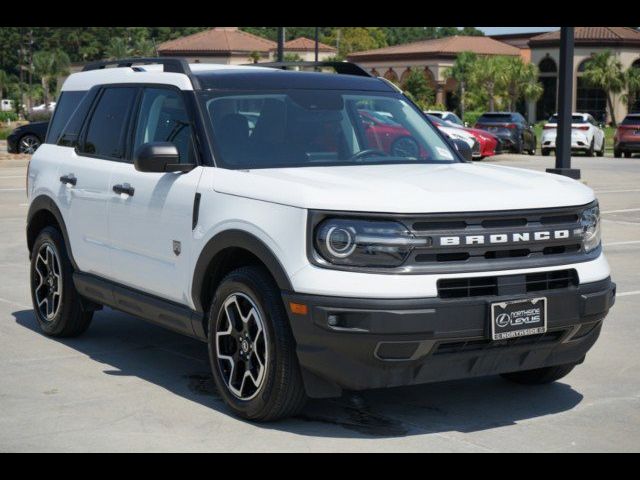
280 44
565 102
316 49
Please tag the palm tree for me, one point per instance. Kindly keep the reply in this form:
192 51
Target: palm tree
520 80
486 76
4 82
632 80
461 72
48 66
118 48
604 71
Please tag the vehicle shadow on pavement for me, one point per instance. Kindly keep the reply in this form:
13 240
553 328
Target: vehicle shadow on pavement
128 346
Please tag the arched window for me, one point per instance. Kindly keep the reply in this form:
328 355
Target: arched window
547 65
429 76
636 64
583 65
590 99
391 75
405 74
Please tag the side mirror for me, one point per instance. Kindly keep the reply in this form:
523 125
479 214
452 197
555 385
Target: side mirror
159 157
463 148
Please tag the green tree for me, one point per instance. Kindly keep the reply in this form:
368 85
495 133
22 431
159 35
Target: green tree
144 47
417 87
355 39
520 80
255 56
4 83
461 72
49 66
603 70
118 48
632 81
486 76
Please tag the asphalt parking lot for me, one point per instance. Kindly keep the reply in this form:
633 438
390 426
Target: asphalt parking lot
129 386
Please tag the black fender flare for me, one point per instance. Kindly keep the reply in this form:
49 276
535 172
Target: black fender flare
238 239
45 202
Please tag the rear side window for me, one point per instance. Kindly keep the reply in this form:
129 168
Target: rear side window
66 105
71 132
574 119
495 117
631 120
105 134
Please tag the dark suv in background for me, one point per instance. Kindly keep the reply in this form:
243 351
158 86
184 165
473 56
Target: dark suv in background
511 128
627 138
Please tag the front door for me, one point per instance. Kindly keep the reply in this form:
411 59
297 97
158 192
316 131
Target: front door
150 222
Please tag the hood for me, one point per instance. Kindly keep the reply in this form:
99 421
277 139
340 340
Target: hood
457 187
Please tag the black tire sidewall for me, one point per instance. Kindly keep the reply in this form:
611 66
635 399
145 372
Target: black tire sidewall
237 282
54 327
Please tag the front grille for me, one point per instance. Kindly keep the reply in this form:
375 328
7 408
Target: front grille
497 240
486 344
507 284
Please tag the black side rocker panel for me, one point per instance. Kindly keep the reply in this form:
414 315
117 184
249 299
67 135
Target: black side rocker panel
170 315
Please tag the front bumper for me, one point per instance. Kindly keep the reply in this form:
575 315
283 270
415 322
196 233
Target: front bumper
358 344
12 143
578 142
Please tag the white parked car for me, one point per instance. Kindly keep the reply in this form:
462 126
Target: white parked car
446 116
42 107
456 132
252 208
586 135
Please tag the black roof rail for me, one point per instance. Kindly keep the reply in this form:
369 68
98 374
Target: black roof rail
173 65
344 68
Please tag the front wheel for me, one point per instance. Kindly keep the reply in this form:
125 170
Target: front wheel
601 151
28 144
545 152
592 149
252 349
56 303
539 376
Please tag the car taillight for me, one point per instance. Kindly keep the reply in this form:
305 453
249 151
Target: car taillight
509 125
581 128
478 125
549 127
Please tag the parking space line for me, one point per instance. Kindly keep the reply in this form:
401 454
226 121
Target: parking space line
12 189
618 191
627 294
12 176
624 210
615 244
11 302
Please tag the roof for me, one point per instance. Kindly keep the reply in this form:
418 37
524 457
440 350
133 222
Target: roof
595 36
219 40
304 44
447 46
519 40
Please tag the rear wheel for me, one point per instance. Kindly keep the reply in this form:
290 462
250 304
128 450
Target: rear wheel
56 303
533 146
405 147
545 152
601 151
252 349
519 149
627 154
617 153
592 149
539 376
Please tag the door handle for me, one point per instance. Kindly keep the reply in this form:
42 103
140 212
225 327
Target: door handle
69 179
124 188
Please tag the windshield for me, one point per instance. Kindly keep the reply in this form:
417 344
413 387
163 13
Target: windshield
299 128
631 120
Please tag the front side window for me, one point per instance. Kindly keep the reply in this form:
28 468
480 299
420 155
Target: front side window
164 118
107 127
320 127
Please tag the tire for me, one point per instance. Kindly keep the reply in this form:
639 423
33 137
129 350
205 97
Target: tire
592 149
601 151
545 152
539 376
534 146
28 144
405 147
617 153
627 154
519 149
279 390
58 314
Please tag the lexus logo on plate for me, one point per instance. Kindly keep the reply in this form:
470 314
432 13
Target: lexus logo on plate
503 320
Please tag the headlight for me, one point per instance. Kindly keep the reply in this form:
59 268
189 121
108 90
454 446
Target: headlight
590 226
364 243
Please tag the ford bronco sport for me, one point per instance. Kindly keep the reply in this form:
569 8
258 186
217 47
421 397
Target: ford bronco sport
253 208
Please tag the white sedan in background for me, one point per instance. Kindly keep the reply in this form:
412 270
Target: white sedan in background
454 131
446 116
586 135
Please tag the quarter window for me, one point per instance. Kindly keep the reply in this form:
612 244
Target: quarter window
66 105
164 118
108 125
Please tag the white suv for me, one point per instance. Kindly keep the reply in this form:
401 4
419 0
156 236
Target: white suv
586 135
254 209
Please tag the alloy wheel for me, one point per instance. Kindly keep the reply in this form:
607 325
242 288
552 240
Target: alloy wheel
28 144
241 346
48 277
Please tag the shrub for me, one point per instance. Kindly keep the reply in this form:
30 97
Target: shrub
472 117
8 116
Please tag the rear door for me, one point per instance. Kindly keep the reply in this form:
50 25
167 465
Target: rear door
151 227
92 147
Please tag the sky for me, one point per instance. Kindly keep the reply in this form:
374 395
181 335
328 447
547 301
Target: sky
500 30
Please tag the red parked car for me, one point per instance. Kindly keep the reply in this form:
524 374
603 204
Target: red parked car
626 141
489 144
389 136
